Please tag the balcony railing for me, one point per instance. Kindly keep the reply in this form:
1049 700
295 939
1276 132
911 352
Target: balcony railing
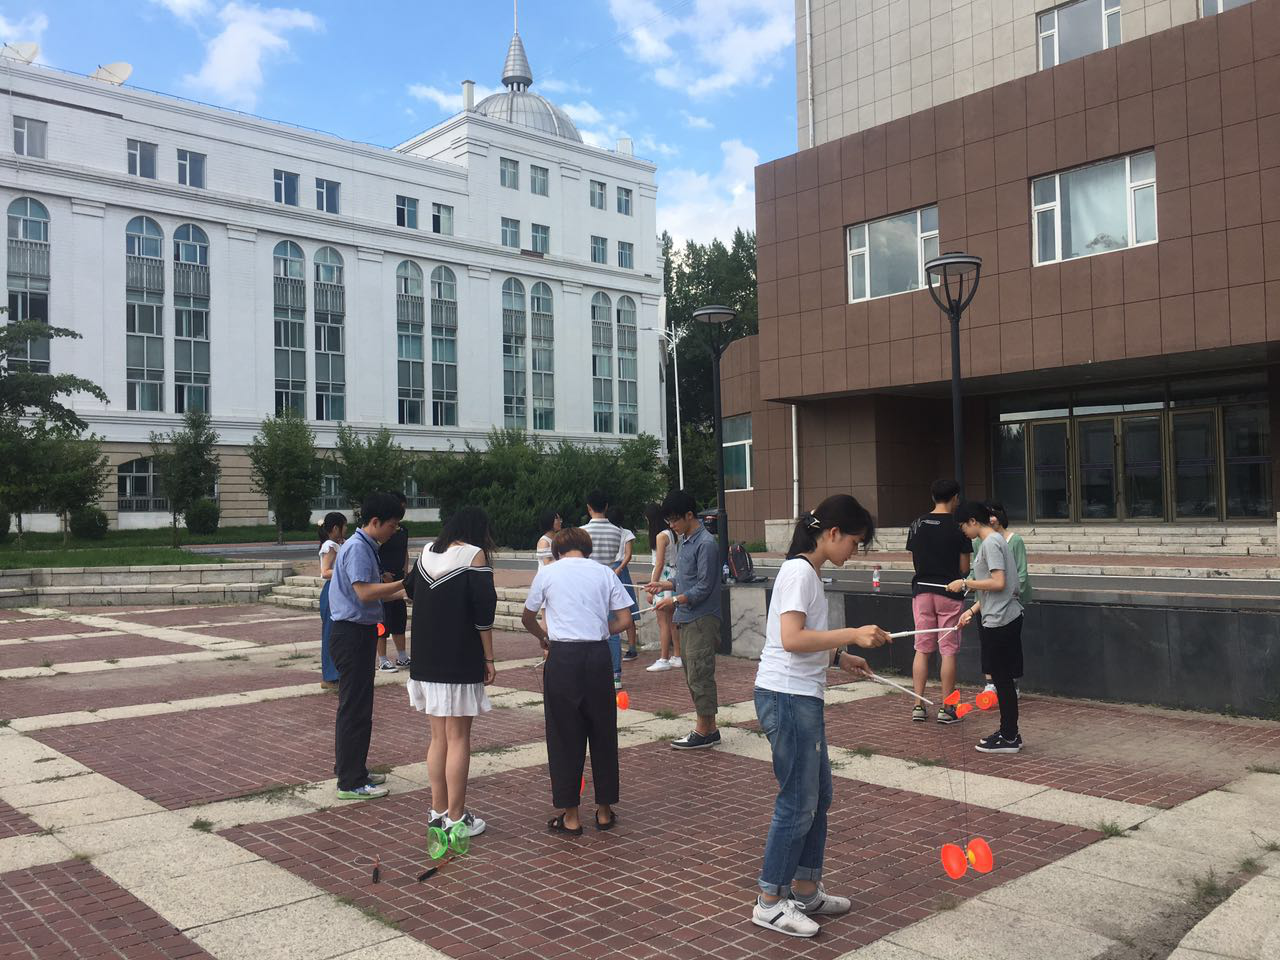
28 257
143 505
444 313
291 293
144 273
409 309
191 280
330 298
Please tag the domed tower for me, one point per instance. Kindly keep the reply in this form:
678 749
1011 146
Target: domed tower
518 105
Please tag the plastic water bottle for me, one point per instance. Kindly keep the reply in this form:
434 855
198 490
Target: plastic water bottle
875 579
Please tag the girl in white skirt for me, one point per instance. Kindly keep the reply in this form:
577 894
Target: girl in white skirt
454 602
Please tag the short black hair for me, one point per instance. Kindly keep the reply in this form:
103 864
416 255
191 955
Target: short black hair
598 501
944 490
678 504
973 510
547 519
997 510
380 506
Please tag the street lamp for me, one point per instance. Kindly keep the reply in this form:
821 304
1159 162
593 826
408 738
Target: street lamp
717 318
675 363
953 280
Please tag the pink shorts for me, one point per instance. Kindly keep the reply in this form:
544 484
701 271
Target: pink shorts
933 610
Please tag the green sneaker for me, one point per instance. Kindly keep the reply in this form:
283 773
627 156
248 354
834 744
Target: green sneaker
367 792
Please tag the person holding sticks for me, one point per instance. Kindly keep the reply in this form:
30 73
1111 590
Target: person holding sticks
789 695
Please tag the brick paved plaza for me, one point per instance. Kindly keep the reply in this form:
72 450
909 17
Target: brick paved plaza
166 791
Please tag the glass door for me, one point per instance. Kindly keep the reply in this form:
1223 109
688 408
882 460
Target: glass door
1142 446
1195 464
1050 456
1096 443
1009 472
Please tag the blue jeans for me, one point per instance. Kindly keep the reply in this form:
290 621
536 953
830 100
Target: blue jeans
615 651
797 839
328 671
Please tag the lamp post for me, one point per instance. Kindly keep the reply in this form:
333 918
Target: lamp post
953 280
667 335
717 317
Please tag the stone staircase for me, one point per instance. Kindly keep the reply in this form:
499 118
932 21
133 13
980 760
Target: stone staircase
192 583
303 593
1167 539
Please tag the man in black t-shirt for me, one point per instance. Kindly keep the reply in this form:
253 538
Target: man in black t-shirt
393 555
940 552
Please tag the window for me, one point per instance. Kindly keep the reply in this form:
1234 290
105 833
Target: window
191 169
624 201
444 348
598 190
1246 439
191 245
509 173
287 188
330 307
290 294
1209 7
410 356
190 319
542 343
144 314
143 238
28 220
28 279
628 408
1094 209
26 304
142 159
407 212
599 250
510 233
442 219
138 488
626 255
887 256
331 496
739 460
601 364
30 137
541 238
1076 29
539 180
513 354
327 195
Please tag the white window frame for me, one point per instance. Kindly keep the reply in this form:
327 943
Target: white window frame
751 480
509 173
626 255
282 180
1221 7
852 253
1132 188
327 191
406 211
600 244
540 238
189 162
624 201
137 151
599 194
1107 9
539 176
24 127
510 226
442 219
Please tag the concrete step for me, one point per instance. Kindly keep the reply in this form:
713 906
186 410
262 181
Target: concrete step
306 596
118 594
293 603
289 590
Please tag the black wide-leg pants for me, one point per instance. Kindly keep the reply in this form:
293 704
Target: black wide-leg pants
579 707
354 647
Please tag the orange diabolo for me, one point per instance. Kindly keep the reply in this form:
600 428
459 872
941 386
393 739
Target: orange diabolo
963 709
952 698
986 700
953 861
980 855
624 700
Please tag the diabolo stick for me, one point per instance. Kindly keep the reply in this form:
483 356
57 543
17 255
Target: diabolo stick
880 679
912 633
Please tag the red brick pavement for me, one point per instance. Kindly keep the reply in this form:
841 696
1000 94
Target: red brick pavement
179 760
664 884
71 910
190 616
120 688
14 823
289 627
42 627
1089 748
117 646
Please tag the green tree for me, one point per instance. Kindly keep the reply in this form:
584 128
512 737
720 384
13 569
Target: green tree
186 462
76 472
283 463
372 464
38 395
22 470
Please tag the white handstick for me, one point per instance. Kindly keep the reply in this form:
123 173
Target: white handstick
912 633
943 586
899 686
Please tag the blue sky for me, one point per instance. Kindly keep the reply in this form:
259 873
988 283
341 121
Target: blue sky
706 88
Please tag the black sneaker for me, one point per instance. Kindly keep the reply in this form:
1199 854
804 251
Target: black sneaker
631 654
948 715
697 741
996 743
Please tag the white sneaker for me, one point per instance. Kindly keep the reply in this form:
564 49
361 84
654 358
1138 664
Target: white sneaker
786 917
989 688
475 826
386 666
676 663
825 905
659 665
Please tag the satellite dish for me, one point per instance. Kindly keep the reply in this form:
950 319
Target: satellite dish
113 73
24 52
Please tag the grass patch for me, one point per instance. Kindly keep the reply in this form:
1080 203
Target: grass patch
756 546
82 857
1109 828
286 791
373 913
163 537
839 764
947 901
1263 768
49 831
866 753
665 714
64 776
924 761
382 768
112 661
532 703
1249 865
46 663
233 656
12 559
1208 889
3 724
203 825
668 737
495 750
44 760
296 656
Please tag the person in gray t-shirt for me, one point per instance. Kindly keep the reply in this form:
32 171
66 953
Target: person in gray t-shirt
996 581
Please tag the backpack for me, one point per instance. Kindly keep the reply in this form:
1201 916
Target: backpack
741 569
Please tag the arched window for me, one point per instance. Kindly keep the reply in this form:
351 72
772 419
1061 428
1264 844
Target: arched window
29 280
138 488
190 319
144 314
191 245
143 238
290 294
513 356
331 308
411 365
444 348
628 403
28 220
602 363
542 352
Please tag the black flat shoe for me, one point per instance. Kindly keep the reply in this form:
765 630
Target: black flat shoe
608 824
556 825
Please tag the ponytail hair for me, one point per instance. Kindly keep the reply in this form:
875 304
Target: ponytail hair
331 520
841 512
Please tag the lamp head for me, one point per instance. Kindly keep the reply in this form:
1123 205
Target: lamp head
716 315
953 279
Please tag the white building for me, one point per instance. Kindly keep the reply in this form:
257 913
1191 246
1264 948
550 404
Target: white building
493 270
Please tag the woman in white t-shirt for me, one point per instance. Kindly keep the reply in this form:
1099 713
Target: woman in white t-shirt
550 523
665 546
333 531
790 686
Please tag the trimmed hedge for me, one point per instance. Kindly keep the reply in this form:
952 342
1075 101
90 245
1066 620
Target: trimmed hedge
203 516
89 523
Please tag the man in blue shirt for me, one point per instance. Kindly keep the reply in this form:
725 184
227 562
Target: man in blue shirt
697 613
356 593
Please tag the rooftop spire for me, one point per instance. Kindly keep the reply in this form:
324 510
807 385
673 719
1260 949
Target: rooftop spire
516 74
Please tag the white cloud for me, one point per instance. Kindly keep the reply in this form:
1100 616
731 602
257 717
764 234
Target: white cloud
555 85
694 122
700 206
721 45
186 9
30 29
583 114
649 147
449 101
232 68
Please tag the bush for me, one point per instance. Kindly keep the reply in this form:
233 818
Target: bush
295 515
89 523
5 520
203 516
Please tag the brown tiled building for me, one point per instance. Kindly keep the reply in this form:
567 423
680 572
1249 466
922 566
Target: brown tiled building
1119 359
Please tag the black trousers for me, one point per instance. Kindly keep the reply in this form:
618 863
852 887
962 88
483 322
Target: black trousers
579 707
1002 660
354 647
